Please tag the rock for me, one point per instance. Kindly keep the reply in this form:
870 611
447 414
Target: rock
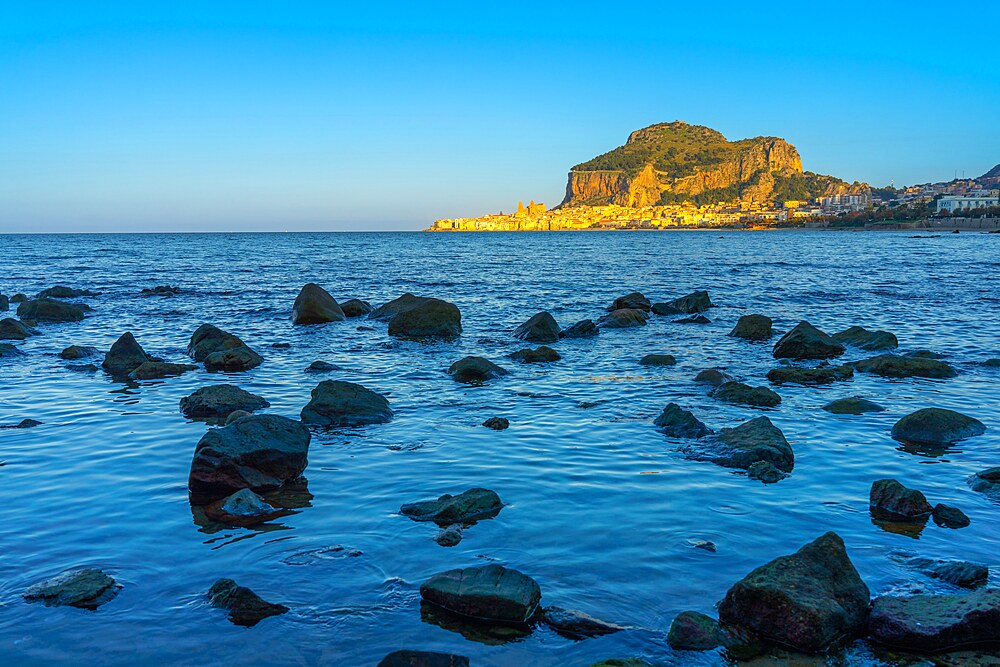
576 624
18 298
708 546
820 375
245 607
675 422
83 368
634 300
893 366
218 401
391 309
934 623
658 360
986 481
752 327
992 363
936 426
63 292
221 350
955 572
337 403
497 423
422 659
234 415
259 452
8 350
540 328
947 516
151 370
490 592
281 346
468 506
11 329
160 290
765 472
696 319
891 501
77 352
320 366
4 302
713 377
806 601
622 319
87 588
695 302
475 370
124 356
539 355
449 536
867 340
741 447
582 329
314 305
51 310
693 631
234 360
25 423
419 317
743 394
664 309
805 341
243 508
855 405
356 308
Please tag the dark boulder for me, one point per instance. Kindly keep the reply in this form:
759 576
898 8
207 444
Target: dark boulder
805 341
77 352
25 423
889 500
337 403
741 447
540 328
713 377
490 592
664 309
820 375
694 631
234 415
658 360
765 472
11 329
449 536
314 305
539 355
234 360
389 310
576 624
992 363
468 506
51 310
955 572
87 588
4 302
218 401
221 350
243 508
497 423
582 329
320 366
695 302
634 300
19 298
744 394
152 370
427 318
356 308
806 601
259 452
422 659
160 290
894 366
245 607
622 319
935 623
475 370
986 481
936 426
694 319
855 405
873 341
63 292
947 516
124 356
675 422
8 350
753 327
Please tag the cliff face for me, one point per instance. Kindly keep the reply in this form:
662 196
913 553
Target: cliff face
672 162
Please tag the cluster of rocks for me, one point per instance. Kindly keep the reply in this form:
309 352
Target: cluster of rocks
890 501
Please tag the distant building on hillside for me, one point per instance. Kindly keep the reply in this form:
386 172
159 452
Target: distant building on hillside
531 211
846 203
952 204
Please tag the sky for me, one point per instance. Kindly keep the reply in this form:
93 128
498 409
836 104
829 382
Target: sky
129 116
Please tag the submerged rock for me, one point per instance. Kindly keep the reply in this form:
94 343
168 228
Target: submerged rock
695 319
161 290
743 394
475 370
820 375
337 403
753 327
765 472
934 623
582 329
891 501
259 452
468 506
675 422
936 426
422 659
8 350
25 423
873 341
63 292
490 592
955 572
87 588
77 352
741 447
124 356
540 328
11 329
245 607
622 319
497 423
243 508
694 631
807 601
218 401
51 310
986 481
658 360
947 516
855 405
805 341
894 366
634 300
314 305
713 377
449 536
356 308
539 355
152 370
576 624
320 366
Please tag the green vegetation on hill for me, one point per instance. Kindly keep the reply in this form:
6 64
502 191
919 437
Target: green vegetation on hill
802 187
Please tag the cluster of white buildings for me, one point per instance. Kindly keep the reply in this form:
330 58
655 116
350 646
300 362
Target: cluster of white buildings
970 202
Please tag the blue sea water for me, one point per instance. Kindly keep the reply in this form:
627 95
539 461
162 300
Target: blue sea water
602 510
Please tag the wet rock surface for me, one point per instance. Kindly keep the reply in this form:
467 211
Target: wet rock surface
221 351
538 355
713 377
741 447
337 403
356 308
497 423
540 328
891 501
87 588
51 310
218 401
475 370
873 341
805 341
78 352
422 659
676 422
947 516
658 360
623 318
124 356
955 572
635 300
581 329
744 394
695 302
986 481
243 508
932 623
936 426
468 506
753 327
64 292
152 370
314 305
694 631
426 318
490 592
819 375
895 366
11 329
694 319
576 624
854 405
245 607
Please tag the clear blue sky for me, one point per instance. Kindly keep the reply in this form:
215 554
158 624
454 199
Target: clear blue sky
143 116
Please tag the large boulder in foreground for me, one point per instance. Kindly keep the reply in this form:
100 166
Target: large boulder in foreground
245 607
87 588
338 403
805 341
490 592
258 452
873 341
221 350
741 447
475 370
889 500
467 506
422 659
752 327
218 401
540 328
314 305
622 318
895 366
51 310
936 427
935 623
807 601
676 422
124 356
